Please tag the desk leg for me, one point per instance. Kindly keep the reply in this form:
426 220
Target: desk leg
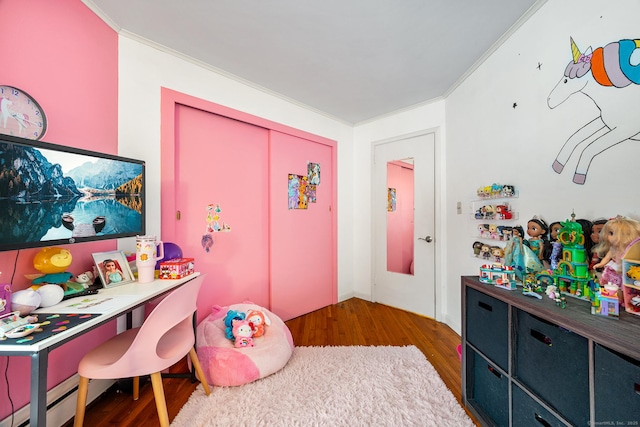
38 405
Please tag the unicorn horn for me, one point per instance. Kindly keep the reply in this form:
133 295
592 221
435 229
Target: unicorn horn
575 51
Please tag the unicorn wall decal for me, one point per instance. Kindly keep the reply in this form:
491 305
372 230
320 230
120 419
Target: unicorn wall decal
615 66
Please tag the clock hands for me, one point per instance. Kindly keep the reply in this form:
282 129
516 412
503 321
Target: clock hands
21 118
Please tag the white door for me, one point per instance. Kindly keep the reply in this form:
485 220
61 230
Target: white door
408 290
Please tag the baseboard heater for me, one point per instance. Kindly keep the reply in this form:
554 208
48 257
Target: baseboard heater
61 402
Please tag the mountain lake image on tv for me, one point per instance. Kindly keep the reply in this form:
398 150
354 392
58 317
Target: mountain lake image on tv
52 194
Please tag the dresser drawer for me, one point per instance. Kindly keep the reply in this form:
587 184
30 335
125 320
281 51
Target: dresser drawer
617 387
553 363
526 411
487 326
487 389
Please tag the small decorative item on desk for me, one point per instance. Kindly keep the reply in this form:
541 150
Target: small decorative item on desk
499 275
149 250
176 268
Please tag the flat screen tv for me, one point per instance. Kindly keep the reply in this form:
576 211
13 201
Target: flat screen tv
52 195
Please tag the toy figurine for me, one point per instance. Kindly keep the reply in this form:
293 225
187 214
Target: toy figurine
503 212
477 247
259 322
616 235
506 232
554 253
537 229
242 333
485 251
497 253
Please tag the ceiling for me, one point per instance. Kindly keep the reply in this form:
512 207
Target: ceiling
353 60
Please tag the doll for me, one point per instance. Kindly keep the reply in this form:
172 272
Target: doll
615 236
587 227
596 228
518 255
518 231
537 229
554 251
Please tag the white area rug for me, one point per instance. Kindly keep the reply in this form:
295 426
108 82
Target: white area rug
334 386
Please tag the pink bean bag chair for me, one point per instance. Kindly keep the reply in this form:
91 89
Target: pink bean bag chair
226 365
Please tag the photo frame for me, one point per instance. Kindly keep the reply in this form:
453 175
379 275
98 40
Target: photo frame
113 268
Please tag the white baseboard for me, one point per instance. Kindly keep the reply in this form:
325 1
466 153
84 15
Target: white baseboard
65 409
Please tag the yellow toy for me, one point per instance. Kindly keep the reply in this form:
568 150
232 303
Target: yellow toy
52 262
634 272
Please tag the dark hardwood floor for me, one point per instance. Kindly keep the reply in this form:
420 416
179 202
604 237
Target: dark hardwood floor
352 322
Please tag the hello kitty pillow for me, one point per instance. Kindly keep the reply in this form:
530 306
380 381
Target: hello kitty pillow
224 364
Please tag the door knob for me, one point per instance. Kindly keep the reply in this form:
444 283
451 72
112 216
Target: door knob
427 239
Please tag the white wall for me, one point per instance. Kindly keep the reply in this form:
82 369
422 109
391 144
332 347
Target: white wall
490 141
425 117
486 139
143 70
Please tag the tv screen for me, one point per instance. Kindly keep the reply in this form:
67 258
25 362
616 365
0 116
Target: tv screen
51 195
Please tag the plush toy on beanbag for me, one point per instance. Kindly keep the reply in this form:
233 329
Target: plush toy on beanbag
226 365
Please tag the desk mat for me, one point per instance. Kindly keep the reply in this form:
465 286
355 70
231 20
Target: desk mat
50 324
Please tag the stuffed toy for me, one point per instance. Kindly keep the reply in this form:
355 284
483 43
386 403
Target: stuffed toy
27 300
228 322
85 279
634 273
260 322
242 333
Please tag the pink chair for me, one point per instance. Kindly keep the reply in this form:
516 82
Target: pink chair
166 336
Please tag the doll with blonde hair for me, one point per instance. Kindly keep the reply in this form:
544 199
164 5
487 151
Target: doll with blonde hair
615 236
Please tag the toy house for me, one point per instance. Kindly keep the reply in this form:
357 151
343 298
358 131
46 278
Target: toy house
631 278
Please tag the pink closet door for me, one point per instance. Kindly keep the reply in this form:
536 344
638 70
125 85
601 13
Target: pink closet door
223 161
302 240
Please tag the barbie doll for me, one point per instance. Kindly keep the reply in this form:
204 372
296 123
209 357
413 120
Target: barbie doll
537 229
615 236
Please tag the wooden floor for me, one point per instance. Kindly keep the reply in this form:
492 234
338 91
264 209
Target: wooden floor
352 322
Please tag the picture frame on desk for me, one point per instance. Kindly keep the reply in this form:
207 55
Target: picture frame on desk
112 268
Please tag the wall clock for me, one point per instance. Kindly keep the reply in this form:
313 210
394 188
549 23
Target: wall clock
20 114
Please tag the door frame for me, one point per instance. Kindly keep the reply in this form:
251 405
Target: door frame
440 293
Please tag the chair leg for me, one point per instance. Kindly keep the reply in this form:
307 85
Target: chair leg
196 365
83 388
136 388
161 403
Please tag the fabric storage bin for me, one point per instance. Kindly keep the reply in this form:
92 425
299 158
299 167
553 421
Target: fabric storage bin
487 326
617 388
526 411
553 363
488 389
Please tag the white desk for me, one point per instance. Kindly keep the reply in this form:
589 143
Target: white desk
130 296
